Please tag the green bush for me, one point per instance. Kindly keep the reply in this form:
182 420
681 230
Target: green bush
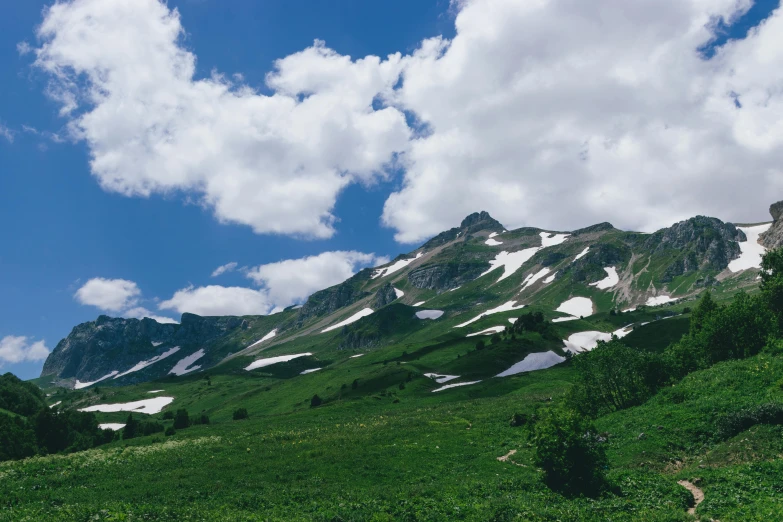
315 401
739 421
181 419
240 413
170 431
570 452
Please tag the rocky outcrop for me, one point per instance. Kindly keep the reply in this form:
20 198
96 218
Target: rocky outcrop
446 276
332 299
590 268
97 348
600 227
385 295
773 238
699 243
476 222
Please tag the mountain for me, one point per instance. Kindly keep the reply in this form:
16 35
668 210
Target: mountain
432 291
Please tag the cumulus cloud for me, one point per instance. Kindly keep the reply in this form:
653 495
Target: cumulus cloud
218 300
110 295
293 280
118 296
17 349
276 163
562 113
281 284
555 113
228 267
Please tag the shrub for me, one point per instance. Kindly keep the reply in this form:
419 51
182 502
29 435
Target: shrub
201 419
518 419
181 419
495 339
480 345
739 421
170 431
355 384
240 413
402 386
168 415
570 452
315 401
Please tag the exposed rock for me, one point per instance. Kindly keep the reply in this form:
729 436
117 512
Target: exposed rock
445 276
773 238
96 348
476 222
590 268
698 243
327 301
384 296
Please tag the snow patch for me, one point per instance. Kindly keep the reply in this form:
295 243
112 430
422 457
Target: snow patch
156 343
399 265
511 262
311 370
505 307
581 254
550 279
355 317
532 278
56 404
611 279
455 385
79 385
440 378
357 355
660 300
429 314
750 251
148 406
265 338
261 363
419 303
143 364
111 426
155 391
512 320
184 365
549 239
398 293
488 331
492 242
577 307
534 361
586 341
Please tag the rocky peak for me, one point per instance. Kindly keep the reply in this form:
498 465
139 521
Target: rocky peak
476 222
600 227
479 221
697 243
773 238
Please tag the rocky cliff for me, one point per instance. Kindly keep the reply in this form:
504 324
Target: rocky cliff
773 238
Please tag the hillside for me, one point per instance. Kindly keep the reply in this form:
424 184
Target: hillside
368 404
478 267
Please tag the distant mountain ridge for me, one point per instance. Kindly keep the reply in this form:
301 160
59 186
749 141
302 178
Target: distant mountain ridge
461 271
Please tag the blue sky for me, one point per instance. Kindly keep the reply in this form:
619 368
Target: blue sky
62 228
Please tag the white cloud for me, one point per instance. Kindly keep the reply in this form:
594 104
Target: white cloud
16 349
562 113
6 133
554 113
111 295
281 284
118 296
276 163
293 280
228 267
140 313
218 300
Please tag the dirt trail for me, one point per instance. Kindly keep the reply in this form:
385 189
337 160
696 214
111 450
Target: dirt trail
507 458
698 495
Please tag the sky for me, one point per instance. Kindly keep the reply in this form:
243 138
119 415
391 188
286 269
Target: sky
233 157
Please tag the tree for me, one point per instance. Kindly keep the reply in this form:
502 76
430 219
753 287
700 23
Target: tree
613 377
131 429
240 413
570 452
480 345
315 401
181 419
355 384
